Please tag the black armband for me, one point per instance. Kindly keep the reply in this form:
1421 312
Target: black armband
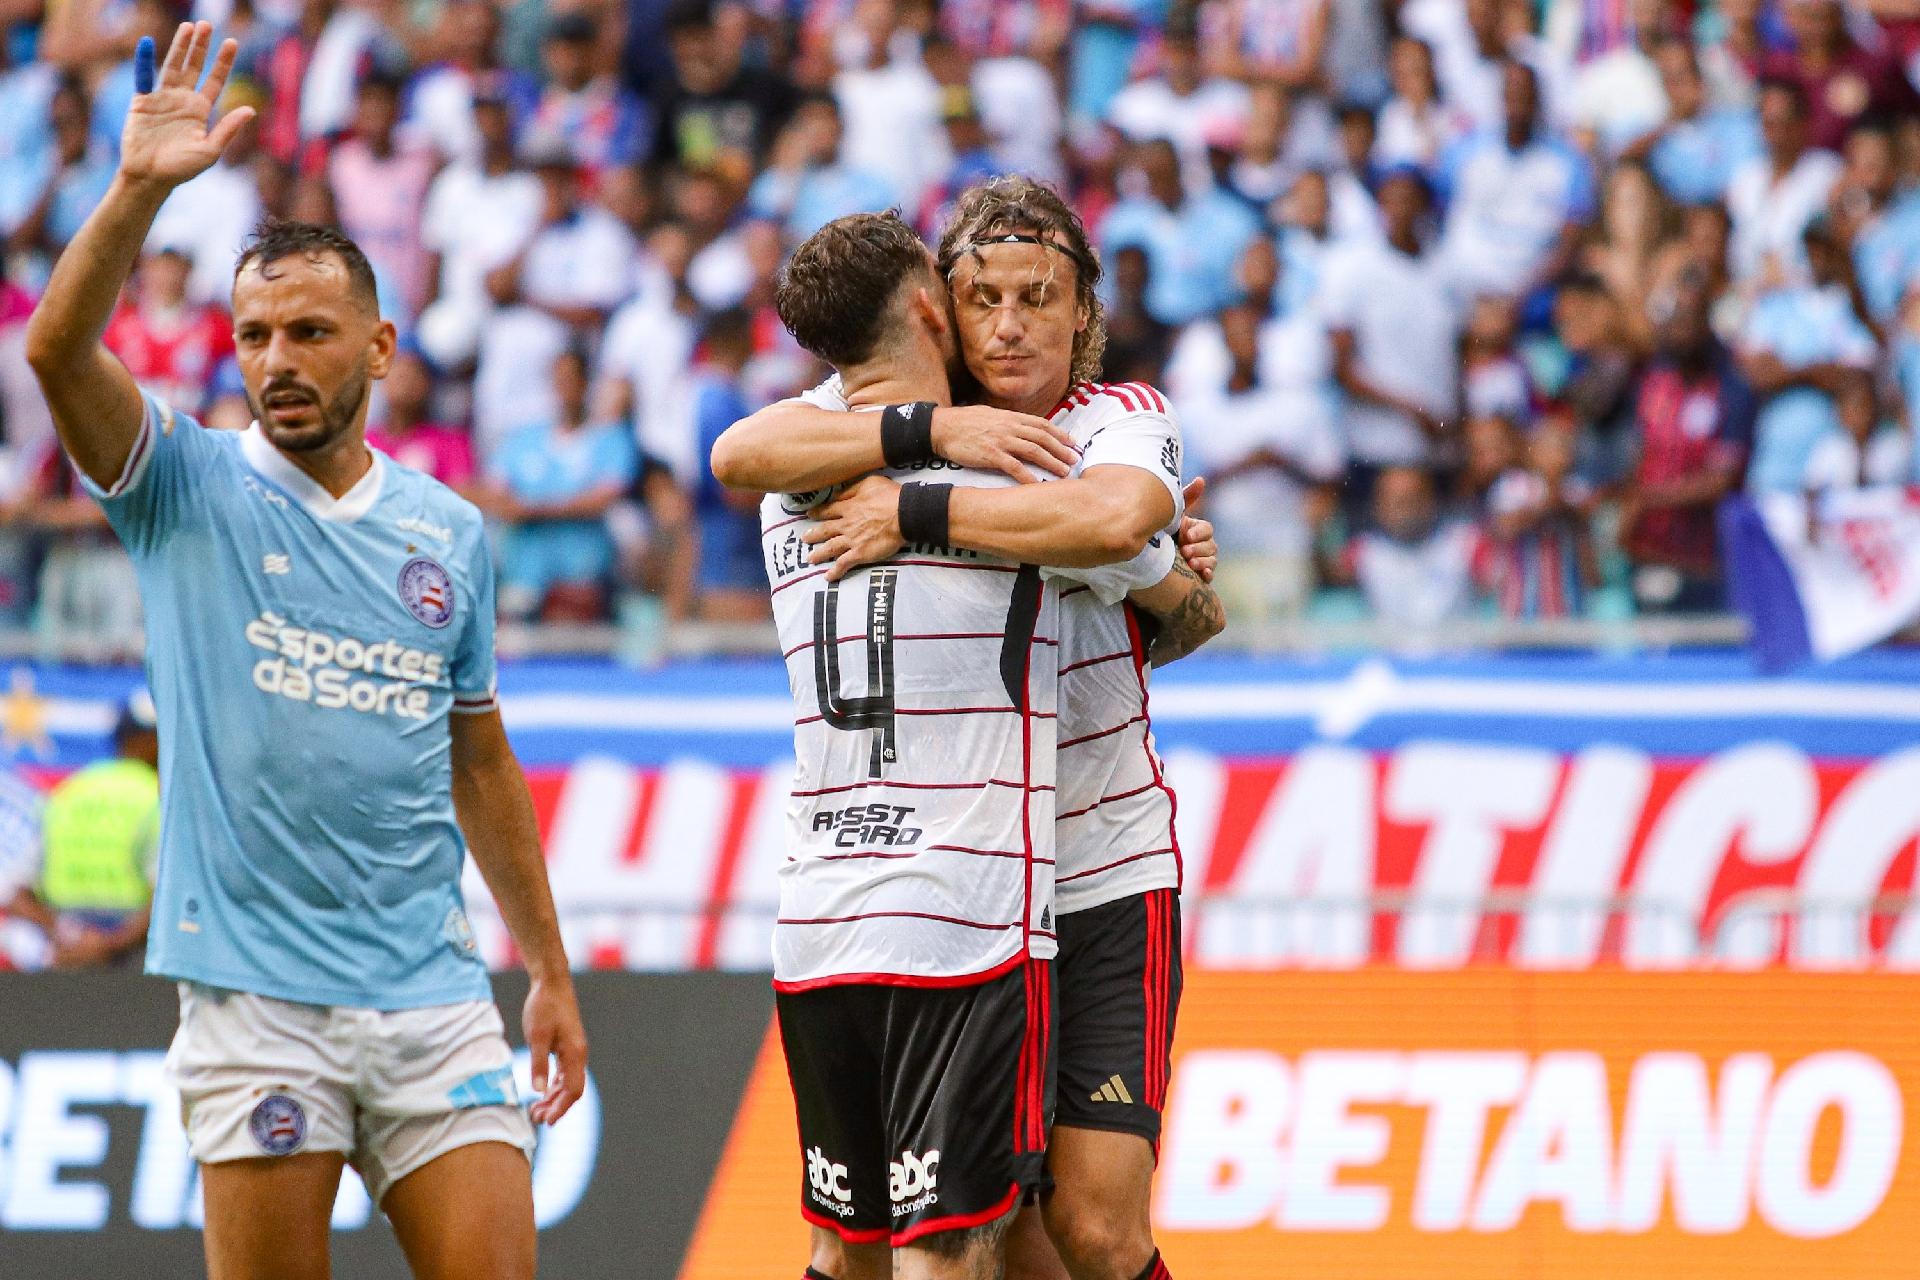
923 514
906 434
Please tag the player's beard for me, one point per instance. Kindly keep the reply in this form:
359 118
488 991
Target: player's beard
336 416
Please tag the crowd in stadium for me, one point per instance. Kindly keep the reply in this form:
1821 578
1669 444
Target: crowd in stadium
1467 307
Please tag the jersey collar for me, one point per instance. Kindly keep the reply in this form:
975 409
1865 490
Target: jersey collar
274 465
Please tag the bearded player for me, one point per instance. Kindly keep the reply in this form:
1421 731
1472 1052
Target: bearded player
1021 275
320 647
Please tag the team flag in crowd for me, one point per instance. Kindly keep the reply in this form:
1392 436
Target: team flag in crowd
1820 578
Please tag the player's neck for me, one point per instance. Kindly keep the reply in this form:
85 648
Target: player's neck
339 466
866 387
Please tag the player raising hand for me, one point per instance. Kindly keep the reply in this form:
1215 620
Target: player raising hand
320 647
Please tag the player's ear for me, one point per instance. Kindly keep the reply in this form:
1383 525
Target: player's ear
1082 316
931 312
386 340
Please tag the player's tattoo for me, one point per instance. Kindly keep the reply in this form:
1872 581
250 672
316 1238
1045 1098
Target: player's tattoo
1195 620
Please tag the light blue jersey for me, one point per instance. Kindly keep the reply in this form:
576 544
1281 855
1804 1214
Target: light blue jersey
305 653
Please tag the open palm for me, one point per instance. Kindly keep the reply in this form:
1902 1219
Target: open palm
166 138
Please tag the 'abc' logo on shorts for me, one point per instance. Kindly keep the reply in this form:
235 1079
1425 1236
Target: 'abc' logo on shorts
828 1180
278 1125
912 1175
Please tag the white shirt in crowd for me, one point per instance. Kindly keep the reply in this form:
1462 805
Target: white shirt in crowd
891 126
589 260
210 217
1149 109
1406 333
649 347
1289 410
1839 462
476 223
513 375
1414 586
1020 111
1769 218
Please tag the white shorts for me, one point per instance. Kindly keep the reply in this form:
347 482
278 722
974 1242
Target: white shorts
260 1077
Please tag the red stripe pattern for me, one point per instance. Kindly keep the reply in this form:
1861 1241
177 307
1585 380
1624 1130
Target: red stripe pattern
1030 1080
1157 991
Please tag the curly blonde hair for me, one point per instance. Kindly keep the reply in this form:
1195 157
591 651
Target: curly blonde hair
1015 204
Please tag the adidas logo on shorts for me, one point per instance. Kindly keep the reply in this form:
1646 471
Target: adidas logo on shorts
1114 1090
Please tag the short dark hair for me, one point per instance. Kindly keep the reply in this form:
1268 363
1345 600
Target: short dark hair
1016 204
836 291
278 238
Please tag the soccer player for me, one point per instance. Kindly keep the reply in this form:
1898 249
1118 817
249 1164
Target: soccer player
1022 275
320 645
916 919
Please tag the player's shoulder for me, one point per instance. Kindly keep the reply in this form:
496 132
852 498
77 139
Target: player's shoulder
1109 402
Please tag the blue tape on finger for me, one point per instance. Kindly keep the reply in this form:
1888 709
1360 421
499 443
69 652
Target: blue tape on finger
143 65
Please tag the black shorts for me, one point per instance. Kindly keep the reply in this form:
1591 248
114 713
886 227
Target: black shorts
922 1109
1119 992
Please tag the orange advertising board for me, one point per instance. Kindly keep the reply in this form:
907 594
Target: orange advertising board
1396 1125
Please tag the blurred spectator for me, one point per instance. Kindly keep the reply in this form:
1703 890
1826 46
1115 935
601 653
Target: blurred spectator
973 162
380 179
1597 391
479 217
26 424
1540 558
1616 92
717 110
1518 198
1177 104
551 488
1866 450
1490 447
1106 41
169 344
1416 568
1700 146
580 263
1879 222
645 355
1800 347
445 100
309 72
890 106
99 836
1636 222
71 177
210 217
1495 382
1694 416
1191 239
1416 126
1137 344
1774 196
730 582
1839 79
1395 335
406 432
807 182
606 126
1278 42
1263 433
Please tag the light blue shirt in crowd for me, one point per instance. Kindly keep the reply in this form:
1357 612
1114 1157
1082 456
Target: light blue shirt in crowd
1803 326
1191 251
305 655
1886 256
1696 160
546 464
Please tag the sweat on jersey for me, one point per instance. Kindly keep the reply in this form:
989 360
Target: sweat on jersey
304 653
921 838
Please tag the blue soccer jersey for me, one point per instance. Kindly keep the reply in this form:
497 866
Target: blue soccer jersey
305 653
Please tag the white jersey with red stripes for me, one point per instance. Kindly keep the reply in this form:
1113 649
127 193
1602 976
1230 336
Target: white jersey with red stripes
1114 810
920 824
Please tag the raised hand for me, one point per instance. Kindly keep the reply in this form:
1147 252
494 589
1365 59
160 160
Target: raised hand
166 138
